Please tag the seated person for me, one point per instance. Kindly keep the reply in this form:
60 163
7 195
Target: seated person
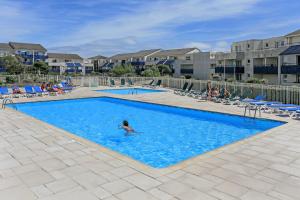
16 90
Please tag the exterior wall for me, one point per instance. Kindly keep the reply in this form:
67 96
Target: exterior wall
4 53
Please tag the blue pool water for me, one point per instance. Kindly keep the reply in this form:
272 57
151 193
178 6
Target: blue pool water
168 135
126 91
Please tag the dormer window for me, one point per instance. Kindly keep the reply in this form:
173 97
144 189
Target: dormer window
267 45
188 58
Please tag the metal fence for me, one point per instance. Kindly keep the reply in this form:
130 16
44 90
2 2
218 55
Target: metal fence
281 93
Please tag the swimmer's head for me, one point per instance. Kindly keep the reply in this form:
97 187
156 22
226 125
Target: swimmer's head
125 123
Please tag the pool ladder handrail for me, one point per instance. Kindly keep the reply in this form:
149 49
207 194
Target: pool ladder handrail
6 101
249 109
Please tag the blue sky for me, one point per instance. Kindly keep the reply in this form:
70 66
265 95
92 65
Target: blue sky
92 27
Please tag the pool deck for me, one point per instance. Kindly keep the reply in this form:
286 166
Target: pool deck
40 161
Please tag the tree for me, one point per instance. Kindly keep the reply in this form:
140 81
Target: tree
122 70
41 67
11 64
151 72
164 70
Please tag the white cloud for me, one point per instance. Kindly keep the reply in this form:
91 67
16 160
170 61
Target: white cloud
157 18
214 46
200 45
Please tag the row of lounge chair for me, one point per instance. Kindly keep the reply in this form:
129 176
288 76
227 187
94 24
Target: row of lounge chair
31 90
130 83
258 103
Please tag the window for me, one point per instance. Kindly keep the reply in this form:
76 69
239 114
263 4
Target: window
248 46
267 45
249 61
248 75
188 58
282 43
276 44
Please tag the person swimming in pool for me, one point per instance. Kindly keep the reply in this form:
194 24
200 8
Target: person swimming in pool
127 128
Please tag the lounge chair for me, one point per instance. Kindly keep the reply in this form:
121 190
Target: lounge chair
66 87
289 111
149 84
122 82
185 85
29 91
112 83
39 91
130 83
158 83
4 92
187 91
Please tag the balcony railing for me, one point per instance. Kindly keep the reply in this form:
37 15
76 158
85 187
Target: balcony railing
230 70
265 69
290 69
187 71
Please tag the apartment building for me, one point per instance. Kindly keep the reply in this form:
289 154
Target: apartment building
290 60
185 61
98 62
136 59
28 53
65 63
261 59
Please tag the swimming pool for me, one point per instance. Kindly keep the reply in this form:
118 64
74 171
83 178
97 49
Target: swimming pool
168 135
126 91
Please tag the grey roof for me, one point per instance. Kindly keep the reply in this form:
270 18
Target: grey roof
292 50
98 57
174 52
5 46
297 32
138 54
27 46
67 56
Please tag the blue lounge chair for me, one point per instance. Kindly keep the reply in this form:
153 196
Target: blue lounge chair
29 91
4 91
66 87
38 90
256 99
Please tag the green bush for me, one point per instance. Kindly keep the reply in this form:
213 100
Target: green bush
122 70
151 72
10 79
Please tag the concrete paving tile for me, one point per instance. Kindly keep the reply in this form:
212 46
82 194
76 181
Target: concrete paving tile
135 194
101 193
17 193
252 183
9 163
174 187
221 195
160 194
9 182
41 191
195 195
117 186
123 171
74 195
232 189
251 195
36 178
142 181
52 165
197 182
89 180
61 185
